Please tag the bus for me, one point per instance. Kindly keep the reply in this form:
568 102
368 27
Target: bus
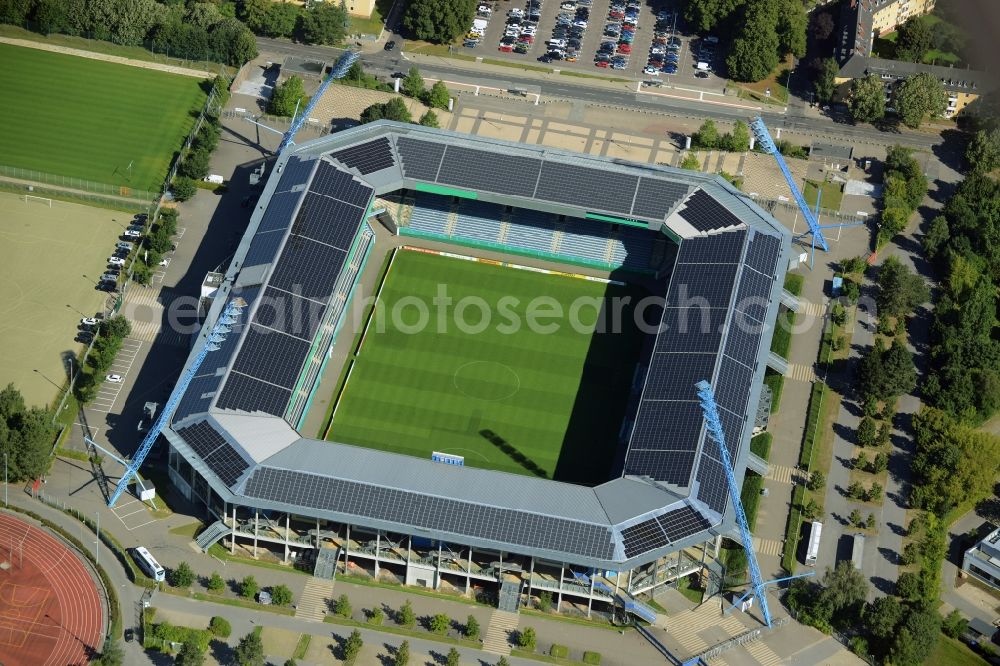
815 532
858 551
149 566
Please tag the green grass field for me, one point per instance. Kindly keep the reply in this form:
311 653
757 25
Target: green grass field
50 259
89 119
527 402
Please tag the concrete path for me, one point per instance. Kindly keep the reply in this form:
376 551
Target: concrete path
80 53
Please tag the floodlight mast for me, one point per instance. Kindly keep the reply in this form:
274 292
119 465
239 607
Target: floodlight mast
218 333
338 71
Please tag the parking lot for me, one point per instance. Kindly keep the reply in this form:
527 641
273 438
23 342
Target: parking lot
107 394
644 18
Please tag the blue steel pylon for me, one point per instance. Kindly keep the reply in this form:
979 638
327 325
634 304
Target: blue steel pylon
760 132
218 333
713 426
338 71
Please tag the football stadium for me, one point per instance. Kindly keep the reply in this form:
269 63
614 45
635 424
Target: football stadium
470 365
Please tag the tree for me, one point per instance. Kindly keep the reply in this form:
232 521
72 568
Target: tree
439 623
182 576
281 19
220 627
352 646
287 96
503 662
913 39
439 21
250 651
402 654
429 119
26 436
856 518
908 586
739 140
322 23
691 162
855 491
342 606
816 481
438 97
910 555
526 639
190 654
867 102
545 601
215 583
880 463
867 431
281 595
810 511
395 109
452 658
954 624
874 494
249 587
112 653
861 462
413 84
825 83
917 637
983 152
937 237
823 25
882 616
870 521
407 617
918 96
232 43
471 628
844 587
183 188
901 373
253 13
704 15
754 53
900 291
707 136
791 28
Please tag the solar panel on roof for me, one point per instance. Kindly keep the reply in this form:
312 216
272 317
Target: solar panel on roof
725 247
289 313
763 252
308 268
665 466
695 285
263 248
336 184
732 388
754 294
665 426
250 395
712 489
271 356
491 172
732 429
704 213
295 172
328 221
280 210
682 522
690 330
743 339
656 197
202 438
367 157
227 464
587 187
197 397
673 376
421 159
643 537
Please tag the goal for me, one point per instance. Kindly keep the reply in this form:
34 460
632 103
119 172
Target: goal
30 198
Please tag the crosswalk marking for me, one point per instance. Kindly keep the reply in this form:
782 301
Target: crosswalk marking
800 372
762 654
767 546
810 309
783 473
686 627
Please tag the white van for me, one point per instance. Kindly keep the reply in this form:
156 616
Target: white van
215 178
703 67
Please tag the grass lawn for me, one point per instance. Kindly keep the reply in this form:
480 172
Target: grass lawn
885 46
506 397
90 119
832 195
777 81
373 24
954 653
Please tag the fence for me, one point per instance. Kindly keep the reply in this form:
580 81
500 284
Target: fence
77 184
279 123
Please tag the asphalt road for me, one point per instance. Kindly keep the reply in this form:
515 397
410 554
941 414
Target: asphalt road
384 63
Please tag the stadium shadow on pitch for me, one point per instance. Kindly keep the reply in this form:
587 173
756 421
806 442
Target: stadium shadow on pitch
511 452
591 450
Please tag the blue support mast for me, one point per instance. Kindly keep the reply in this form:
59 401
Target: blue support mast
338 71
218 333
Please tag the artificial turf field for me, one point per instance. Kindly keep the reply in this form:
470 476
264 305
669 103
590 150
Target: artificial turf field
525 402
89 119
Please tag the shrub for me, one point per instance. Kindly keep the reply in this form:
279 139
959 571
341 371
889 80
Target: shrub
249 587
954 624
471 628
342 606
859 646
219 626
452 658
407 617
352 646
439 623
281 595
215 583
526 639
816 481
182 576
196 165
183 188
545 601
376 616
402 654
592 658
559 651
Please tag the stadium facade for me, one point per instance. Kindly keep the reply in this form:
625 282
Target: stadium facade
234 441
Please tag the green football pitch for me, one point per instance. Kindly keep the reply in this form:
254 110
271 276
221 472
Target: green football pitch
528 401
90 119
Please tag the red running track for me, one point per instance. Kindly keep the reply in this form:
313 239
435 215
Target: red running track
50 610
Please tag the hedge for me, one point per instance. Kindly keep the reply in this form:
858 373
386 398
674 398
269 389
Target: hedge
812 419
559 651
761 445
592 658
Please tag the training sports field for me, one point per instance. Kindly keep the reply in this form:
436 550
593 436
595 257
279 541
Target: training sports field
89 119
528 402
50 259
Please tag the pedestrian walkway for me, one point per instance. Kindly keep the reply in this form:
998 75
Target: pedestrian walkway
313 600
80 53
497 638
686 628
144 308
800 372
767 546
810 309
764 655
784 474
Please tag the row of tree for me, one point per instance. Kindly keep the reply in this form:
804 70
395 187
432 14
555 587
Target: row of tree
964 243
708 137
914 98
438 21
26 435
757 33
110 335
193 30
904 188
309 22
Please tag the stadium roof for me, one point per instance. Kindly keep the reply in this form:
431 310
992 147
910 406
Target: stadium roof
235 423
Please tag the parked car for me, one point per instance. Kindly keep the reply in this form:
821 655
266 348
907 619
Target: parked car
390 45
114 379
89 321
116 261
124 245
